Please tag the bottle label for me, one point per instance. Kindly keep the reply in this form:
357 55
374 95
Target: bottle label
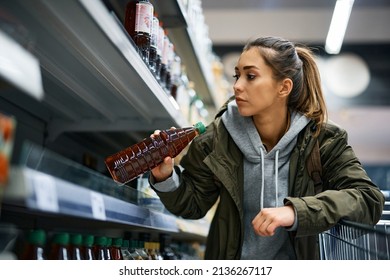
143 18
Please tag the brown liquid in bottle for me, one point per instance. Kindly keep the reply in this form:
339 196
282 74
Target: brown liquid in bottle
138 23
126 165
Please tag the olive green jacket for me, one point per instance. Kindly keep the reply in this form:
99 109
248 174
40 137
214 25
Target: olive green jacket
213 173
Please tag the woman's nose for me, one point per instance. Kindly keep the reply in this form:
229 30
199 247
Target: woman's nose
237 85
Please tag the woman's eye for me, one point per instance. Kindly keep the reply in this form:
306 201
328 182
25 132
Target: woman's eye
250 76
236 76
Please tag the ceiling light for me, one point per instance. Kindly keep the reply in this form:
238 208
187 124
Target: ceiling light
338 25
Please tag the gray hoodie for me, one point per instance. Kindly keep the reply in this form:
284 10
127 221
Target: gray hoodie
265 180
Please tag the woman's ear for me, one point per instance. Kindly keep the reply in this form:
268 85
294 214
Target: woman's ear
285 87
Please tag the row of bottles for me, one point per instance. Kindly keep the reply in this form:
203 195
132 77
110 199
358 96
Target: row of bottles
151 38
65 246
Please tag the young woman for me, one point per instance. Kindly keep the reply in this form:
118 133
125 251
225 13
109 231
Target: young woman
252 162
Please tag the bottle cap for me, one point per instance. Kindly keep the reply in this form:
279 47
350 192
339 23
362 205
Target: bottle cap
37 237
200 127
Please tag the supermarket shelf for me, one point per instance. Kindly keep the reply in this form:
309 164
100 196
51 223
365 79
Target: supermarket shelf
93 77
44 193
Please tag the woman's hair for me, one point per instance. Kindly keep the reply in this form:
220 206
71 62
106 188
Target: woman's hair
297 63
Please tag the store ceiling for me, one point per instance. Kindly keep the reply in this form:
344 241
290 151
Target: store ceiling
366 117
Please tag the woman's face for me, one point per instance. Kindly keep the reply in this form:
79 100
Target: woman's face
255 89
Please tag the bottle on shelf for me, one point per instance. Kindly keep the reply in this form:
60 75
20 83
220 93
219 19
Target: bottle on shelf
141 250
75 247
115 249
34 248
107 250
126 255
166 249
164 59
154 56
99 248
137 159
133 250
59 247
138 23
87 247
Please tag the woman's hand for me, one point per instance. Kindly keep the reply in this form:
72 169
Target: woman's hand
164 170
269 219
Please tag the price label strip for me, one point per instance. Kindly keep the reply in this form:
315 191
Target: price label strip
97 204
45 192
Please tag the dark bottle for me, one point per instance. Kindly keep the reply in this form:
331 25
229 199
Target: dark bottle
166 249
127 164
99 247
115 249
35 244
59 247
138 23
107 250
87 247
75 247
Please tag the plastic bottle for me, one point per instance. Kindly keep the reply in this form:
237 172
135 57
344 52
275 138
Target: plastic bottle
59 247
75 247
127 164
138 23
87 247
34 248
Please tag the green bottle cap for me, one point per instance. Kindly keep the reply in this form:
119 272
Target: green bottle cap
37 237
88 240
199 126
76 239
101 240
61 238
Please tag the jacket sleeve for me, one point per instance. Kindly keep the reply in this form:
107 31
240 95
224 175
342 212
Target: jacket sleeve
348 191
197 191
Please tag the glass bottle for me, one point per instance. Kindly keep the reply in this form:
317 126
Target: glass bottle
75 247
135 160
115 249
35 244
166 250
87 247
126 255
153 53
59 247
142 251
99 247
138 23
107 250
133 250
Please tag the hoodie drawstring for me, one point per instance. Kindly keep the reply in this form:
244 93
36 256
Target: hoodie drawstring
262 180
263 176
276 177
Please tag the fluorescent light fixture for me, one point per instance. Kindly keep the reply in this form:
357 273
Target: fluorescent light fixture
338 25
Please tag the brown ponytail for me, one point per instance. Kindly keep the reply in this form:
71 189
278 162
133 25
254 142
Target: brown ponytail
311 100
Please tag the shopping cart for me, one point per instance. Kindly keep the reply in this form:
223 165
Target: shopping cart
353 241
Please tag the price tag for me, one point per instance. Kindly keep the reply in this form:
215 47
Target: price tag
45 192
97 204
